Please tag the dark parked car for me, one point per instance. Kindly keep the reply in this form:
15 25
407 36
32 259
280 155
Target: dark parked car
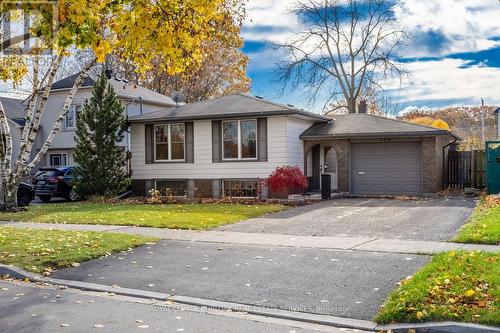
25 194
55 183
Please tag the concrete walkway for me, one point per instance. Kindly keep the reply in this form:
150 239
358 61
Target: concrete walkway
367 244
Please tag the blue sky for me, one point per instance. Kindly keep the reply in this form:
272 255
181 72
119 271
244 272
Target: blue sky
453 56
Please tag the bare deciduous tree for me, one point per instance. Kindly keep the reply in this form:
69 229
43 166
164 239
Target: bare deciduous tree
344 47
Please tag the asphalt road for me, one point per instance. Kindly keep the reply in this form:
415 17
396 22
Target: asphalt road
341 283
436 219
28 308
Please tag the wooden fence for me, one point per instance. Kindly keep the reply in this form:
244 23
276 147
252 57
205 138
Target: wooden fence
465 169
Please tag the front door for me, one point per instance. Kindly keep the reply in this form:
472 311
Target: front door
316 168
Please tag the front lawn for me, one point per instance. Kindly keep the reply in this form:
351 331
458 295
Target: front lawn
484 224
177 216
457 286
39 250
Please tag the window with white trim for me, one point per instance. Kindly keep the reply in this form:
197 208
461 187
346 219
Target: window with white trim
239 139
72 116
57 160
169 142
240 188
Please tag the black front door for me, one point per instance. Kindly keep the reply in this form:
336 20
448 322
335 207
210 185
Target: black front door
316 172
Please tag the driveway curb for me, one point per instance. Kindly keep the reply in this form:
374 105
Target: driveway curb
350 323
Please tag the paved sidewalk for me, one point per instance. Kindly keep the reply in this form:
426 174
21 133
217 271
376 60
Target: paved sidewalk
367 244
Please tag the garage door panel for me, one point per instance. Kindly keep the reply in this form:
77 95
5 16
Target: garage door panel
386 168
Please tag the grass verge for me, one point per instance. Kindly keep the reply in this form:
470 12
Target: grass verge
458 286
44 250
484 224
176 216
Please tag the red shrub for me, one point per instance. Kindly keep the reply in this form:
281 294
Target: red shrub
287 180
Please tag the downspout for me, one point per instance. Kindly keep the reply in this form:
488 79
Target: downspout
444 165
129 148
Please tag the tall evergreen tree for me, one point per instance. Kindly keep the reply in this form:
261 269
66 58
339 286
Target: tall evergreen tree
101 162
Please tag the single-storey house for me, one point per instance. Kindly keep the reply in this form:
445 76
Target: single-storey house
225 146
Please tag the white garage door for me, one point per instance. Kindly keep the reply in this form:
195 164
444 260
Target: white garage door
386 168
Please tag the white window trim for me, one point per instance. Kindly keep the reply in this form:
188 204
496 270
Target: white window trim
239 158
72 109
62 156
173 180
237 180
169 143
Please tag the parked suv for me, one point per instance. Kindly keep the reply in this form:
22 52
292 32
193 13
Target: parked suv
25 194
55 183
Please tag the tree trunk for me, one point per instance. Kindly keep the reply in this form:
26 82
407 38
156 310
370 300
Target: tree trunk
9 199
351 105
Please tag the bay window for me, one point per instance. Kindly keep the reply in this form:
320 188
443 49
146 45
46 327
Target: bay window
239 139
169 142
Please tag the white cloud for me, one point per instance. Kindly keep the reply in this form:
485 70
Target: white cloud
448 80
466 24
269 20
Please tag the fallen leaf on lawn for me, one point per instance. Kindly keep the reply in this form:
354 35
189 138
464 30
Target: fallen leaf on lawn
469 293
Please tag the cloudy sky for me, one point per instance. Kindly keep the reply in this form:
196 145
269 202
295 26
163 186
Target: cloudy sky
453 56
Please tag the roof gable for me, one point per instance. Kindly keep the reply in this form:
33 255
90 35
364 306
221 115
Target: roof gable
367 125
123 89
13 107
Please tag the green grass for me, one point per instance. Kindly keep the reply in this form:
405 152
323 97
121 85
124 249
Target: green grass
40 250
177 216
483 227
457 286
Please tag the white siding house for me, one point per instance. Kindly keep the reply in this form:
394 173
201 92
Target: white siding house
208 168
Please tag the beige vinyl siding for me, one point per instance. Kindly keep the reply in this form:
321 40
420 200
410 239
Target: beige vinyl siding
295 148
283 138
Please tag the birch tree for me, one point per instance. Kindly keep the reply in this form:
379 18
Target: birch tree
342 48
136 30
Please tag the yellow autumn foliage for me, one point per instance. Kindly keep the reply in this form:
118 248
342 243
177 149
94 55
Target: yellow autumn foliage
441 124
136 30
428 121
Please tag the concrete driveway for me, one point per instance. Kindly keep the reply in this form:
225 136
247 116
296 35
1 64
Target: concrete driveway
436 219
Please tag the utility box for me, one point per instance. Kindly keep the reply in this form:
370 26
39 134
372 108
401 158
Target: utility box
493 167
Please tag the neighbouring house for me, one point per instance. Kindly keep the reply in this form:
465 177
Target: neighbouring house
136 100
15 111
223 147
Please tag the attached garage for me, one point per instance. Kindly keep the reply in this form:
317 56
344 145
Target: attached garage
386 168
376 155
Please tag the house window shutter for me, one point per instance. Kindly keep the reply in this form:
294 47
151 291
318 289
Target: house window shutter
262 140
149 143
189 142
216 141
